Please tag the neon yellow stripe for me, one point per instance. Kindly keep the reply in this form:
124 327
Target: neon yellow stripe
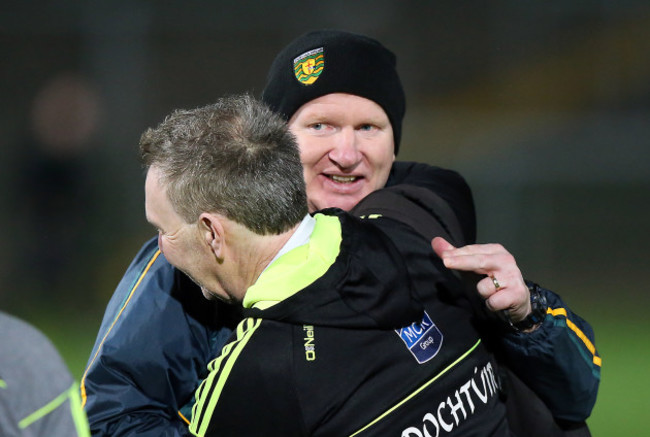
426 384
3 384
43 411
581 335
221 376
78 414
83 380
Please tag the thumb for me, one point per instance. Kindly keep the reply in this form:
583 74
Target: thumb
440 246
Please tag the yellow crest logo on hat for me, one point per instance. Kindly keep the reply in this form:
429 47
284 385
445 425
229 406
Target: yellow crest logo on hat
308 66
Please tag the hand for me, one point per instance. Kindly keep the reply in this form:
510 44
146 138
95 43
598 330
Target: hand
499 265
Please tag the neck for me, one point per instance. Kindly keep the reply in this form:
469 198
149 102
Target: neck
267 249
251 254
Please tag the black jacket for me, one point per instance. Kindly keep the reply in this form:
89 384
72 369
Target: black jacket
158 333
375 345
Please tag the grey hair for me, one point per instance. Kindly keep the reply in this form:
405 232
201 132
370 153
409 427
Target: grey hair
236 158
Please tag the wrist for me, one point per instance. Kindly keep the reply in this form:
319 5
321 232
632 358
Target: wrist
537 314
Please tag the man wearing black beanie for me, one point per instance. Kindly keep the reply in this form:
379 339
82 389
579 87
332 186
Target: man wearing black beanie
333 87
329 82
343 99
330 61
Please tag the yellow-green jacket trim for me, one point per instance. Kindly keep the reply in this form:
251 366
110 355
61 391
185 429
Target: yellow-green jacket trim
299 267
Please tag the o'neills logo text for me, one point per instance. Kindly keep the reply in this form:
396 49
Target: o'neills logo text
309 342
423 339
450 413
308 66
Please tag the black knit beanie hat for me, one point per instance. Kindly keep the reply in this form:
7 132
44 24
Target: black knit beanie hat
331 61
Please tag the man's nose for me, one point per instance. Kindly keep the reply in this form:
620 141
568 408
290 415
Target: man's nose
345 151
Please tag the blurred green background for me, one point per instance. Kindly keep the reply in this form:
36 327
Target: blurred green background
544 107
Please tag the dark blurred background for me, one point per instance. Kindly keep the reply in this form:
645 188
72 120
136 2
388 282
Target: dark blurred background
544 107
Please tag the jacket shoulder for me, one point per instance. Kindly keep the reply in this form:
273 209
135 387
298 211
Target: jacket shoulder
447 185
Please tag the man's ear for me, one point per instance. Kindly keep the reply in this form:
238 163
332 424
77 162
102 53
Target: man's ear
212 232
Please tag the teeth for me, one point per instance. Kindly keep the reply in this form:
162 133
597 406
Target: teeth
343 179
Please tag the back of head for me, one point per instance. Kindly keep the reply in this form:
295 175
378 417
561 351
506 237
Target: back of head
236 158
332 61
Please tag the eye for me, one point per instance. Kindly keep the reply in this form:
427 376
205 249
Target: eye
366 127
317 126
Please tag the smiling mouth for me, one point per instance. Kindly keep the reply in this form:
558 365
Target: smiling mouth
343 179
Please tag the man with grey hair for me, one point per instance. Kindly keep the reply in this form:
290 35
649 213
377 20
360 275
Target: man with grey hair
348 324
225 170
